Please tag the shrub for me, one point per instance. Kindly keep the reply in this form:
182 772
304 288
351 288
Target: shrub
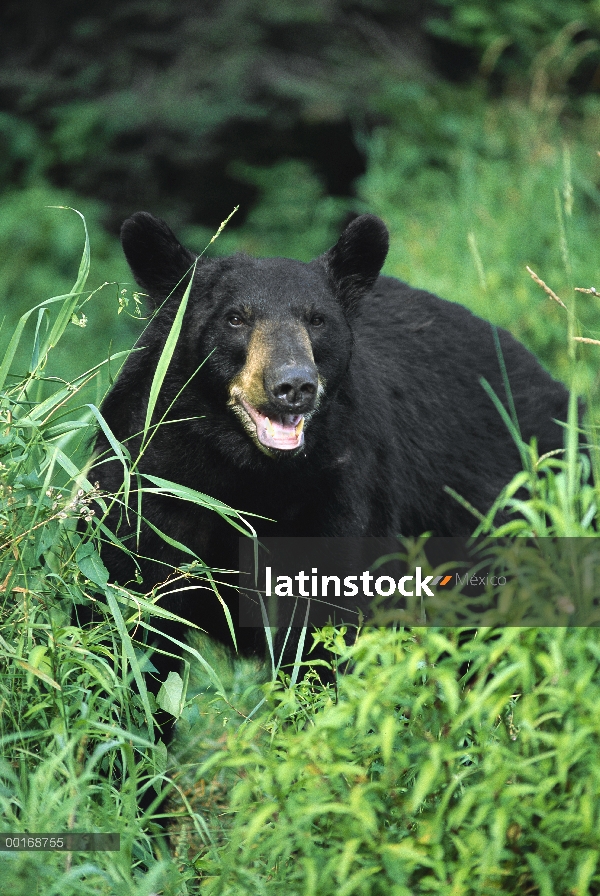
442 765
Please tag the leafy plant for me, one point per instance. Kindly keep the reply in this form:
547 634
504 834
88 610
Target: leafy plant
444 764
77 737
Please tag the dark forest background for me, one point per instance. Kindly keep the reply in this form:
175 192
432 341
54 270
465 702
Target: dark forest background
455 120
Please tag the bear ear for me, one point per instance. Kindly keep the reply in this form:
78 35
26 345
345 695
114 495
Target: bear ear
157 259
355 261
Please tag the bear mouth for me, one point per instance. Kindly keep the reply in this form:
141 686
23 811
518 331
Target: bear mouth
281 432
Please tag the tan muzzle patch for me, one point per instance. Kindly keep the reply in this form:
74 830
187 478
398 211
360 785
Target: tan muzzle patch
282 432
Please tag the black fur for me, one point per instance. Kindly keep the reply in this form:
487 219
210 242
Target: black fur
402 412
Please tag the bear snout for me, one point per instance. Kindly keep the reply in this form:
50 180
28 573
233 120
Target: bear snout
292 389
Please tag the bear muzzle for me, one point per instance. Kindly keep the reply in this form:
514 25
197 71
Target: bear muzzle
278 389
290 392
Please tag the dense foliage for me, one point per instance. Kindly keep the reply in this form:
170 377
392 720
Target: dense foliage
515 37
415 779
181 90
157 106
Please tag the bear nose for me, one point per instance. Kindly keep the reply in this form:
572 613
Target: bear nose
292 388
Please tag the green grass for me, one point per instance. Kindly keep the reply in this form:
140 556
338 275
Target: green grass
492 211
77 739
40 245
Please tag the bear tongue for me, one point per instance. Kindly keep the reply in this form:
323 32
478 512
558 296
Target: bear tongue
285 433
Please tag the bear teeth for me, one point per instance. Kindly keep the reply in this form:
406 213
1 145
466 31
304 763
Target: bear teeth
298 427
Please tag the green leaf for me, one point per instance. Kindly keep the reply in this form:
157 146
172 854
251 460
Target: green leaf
170 695
69 467
172 541
166 487
89 562
426 779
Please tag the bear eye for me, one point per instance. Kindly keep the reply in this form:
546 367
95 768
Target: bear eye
234 320
317 320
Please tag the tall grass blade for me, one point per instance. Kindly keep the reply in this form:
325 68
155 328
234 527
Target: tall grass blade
268 635
508 391
166 356
121 453
572 447
172 541
131 656
71 469
64 316
224 607
35 354
510 425
184 646
45 409
300 647
16 336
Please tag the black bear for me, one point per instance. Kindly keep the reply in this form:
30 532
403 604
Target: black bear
325 398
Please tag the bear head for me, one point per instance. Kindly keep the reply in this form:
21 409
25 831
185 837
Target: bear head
265 341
